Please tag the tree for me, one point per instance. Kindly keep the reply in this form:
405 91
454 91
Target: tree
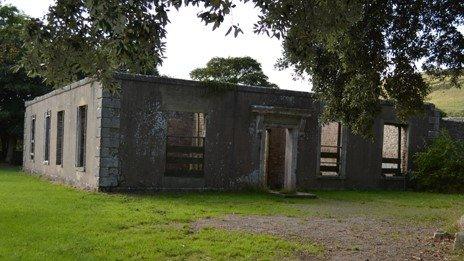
235 70
15 86
361 52
358 52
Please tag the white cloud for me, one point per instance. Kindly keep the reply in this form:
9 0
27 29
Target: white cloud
190 44
34 8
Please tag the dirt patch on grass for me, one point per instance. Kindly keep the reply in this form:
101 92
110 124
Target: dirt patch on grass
355 238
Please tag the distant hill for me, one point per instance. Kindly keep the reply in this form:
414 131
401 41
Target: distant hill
445 96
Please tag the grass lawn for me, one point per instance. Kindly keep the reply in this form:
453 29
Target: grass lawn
40 220
445 96
451 101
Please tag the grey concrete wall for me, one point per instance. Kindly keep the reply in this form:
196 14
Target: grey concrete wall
85 92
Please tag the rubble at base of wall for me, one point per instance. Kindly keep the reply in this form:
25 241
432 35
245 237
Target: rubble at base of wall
459 239
461 223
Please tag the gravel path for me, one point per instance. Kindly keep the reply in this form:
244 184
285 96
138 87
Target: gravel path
357 238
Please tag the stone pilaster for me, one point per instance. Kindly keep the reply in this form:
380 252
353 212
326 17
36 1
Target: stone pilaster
108 135
434 123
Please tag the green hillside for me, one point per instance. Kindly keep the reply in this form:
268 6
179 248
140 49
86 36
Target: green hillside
446 97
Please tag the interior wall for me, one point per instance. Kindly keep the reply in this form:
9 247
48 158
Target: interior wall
276 158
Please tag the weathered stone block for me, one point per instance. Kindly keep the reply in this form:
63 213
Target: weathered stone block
110 142
109 152
110 122
459 242
433 134
440 235
110 112
110 181
111 103
109 162
99 112
108 172
109 132
96 171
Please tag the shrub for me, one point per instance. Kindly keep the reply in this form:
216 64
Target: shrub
440 168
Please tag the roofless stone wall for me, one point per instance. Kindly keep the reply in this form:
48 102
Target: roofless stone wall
454 126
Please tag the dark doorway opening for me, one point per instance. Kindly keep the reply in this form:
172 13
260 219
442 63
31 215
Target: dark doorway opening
275 158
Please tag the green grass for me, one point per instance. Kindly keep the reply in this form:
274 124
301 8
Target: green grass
445 96
40 220
450 101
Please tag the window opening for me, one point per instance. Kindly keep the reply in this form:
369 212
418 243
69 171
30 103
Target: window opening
32 145
59 137
81 135
331 148
394 150
185 144
47 137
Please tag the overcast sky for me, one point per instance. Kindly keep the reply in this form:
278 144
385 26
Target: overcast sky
190 44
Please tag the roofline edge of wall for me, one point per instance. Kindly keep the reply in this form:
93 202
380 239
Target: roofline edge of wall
61 90
177 81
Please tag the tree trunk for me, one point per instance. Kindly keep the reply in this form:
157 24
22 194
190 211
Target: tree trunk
10 150
4 144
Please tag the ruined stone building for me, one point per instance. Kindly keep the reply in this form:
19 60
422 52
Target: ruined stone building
161 133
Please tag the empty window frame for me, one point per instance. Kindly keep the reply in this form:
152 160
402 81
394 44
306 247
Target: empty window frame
47 137
331 149
185 144
394 150
81 135
32 139
59 137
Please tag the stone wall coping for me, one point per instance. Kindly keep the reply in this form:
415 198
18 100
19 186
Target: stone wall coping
260 109
192 83
455 119
61 90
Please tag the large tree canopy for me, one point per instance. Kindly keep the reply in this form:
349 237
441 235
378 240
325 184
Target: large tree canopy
357 52
15 86
236 70
360 52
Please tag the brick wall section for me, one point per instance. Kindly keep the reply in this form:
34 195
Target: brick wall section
108 113
454 126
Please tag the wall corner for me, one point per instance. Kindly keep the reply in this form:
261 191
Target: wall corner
108 138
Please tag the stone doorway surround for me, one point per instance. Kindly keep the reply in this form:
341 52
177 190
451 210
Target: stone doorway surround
293 121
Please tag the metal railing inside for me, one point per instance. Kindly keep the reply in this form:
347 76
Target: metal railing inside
330 160
185 156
